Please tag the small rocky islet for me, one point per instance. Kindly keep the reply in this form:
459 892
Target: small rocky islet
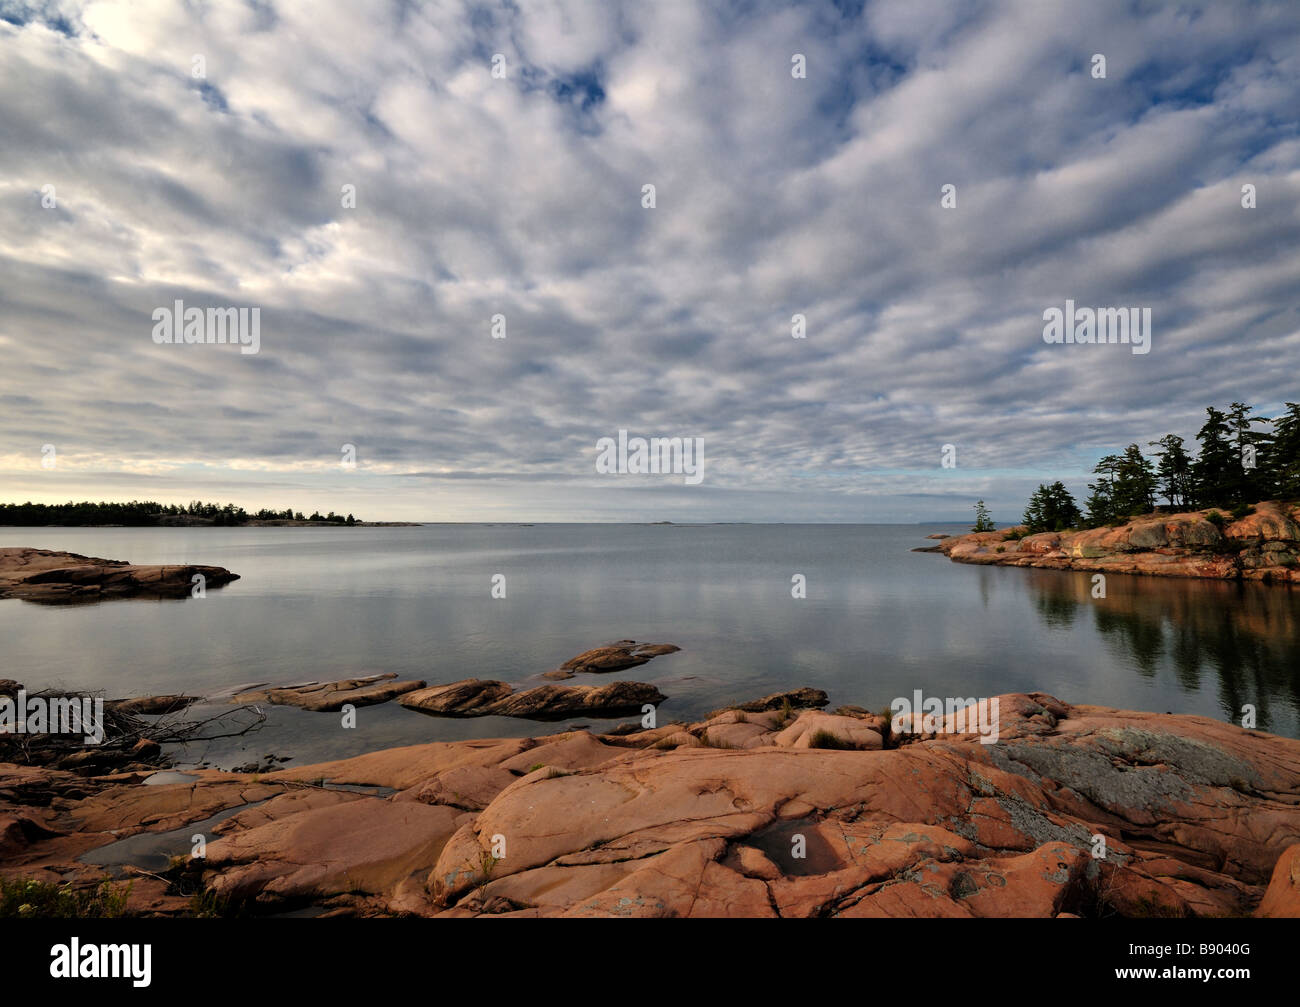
53 577
1263 545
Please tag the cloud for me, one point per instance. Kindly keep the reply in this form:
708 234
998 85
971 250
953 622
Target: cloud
521 196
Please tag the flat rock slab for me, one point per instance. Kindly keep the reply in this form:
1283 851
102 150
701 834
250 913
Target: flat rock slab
43 575
365 845
473 697
327 697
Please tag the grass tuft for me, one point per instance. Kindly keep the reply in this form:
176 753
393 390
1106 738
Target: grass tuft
28 899
824 739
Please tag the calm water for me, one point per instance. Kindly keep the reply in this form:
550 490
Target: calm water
879 621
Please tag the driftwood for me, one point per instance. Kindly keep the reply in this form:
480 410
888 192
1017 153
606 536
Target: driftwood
130 740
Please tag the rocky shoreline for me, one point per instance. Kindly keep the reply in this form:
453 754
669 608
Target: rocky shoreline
1262 546
1075 811
768 808
48 576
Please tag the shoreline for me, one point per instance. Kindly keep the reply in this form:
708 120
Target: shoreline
771 808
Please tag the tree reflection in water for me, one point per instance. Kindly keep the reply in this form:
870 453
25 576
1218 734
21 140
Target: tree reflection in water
1247 635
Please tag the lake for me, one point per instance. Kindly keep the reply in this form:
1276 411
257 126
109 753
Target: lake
878 621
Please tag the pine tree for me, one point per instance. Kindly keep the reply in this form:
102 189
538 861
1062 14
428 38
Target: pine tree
1051 508
1060 511
1174 472
1284 460
1033 516
1253 447
1101 504
1134 489
1217 470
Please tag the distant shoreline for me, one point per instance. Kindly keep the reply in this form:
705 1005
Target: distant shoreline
152 514
207 523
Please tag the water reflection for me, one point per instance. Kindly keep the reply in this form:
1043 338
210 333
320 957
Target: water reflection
1247 636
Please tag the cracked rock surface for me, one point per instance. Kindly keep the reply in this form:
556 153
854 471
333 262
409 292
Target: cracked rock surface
1075 811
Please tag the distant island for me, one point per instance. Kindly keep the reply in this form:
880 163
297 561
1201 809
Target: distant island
150 513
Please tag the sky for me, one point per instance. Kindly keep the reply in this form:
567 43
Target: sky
382 180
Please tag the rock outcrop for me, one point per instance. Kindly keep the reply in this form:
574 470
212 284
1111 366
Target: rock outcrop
1191 817
473 697
1263 546
42 575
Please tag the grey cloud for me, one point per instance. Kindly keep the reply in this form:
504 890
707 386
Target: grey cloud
522 197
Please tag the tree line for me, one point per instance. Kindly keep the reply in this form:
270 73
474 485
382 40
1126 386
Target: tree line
1235 465
150 512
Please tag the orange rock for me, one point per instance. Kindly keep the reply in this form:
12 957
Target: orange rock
1198 817
365 845
1283 895
814 729
1261 546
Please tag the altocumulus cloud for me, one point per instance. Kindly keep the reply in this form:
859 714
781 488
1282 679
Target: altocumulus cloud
522 196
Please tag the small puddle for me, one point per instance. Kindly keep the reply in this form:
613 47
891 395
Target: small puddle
368 789
153 851
778 842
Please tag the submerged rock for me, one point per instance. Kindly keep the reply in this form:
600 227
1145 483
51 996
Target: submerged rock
474 697
617 656
327 697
